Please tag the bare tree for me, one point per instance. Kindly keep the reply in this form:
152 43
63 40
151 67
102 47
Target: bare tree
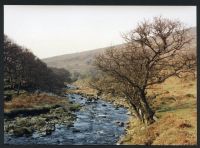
154 52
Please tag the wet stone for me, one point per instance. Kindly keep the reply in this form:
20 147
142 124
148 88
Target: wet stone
74 130
121 124
22 131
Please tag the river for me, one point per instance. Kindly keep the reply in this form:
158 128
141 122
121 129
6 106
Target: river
98 122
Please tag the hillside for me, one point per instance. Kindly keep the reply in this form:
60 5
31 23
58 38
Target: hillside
82 62
79 62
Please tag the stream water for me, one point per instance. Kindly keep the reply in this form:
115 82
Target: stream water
97 123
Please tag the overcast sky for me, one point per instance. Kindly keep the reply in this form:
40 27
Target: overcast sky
55 30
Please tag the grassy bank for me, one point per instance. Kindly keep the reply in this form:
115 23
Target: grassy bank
175 104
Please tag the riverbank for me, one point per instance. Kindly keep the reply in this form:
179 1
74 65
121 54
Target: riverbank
84 89
175 105
37 113
97 122
176 109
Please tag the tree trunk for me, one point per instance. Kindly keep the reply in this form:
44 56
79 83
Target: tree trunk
148 112
136 110
142 109
18 87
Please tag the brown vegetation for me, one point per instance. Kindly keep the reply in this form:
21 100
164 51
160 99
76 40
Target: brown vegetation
33 101
177 116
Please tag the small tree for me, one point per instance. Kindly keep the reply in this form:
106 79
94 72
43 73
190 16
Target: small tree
154 52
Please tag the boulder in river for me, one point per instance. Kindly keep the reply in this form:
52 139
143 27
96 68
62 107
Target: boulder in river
71 102
70 125
103 116
50 128
75 130
117 122
88 102
121 124
22 131
89 99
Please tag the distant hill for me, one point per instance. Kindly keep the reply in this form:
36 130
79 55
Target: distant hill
82 62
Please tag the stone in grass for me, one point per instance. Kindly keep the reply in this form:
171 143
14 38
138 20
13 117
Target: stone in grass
128 113
8 97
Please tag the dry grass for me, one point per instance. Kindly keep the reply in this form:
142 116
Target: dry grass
176 109
33 100
83 86
177 112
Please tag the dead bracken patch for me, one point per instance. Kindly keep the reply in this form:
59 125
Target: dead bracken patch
32 101
185 125
189 95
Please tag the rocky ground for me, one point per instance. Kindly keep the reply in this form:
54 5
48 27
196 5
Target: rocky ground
43 124
20 121
97 122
